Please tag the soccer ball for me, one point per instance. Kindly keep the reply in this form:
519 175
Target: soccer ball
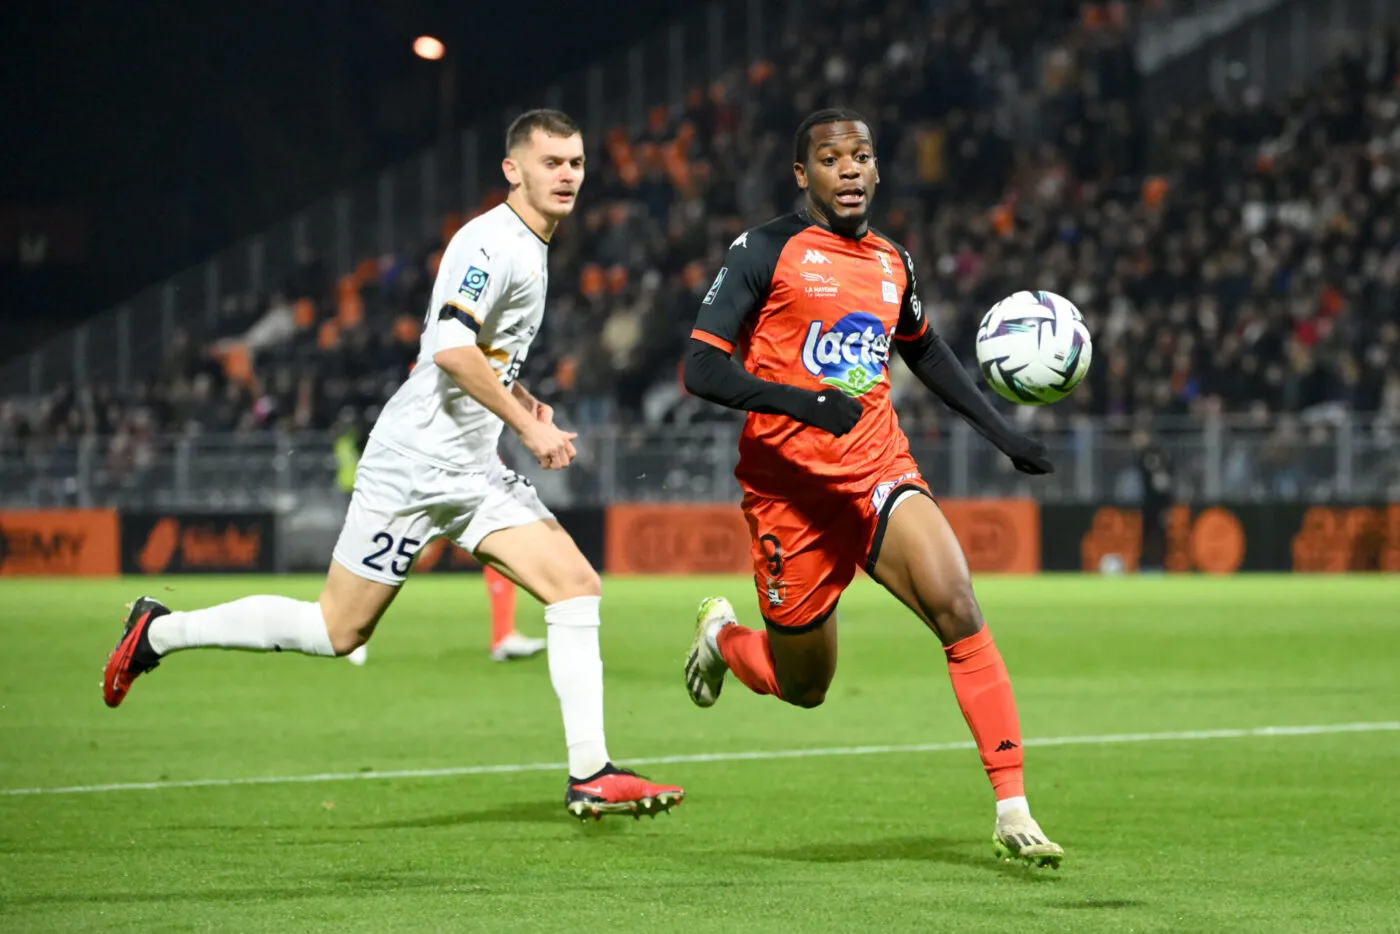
1033 347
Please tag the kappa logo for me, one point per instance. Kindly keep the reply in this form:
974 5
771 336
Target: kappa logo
815 258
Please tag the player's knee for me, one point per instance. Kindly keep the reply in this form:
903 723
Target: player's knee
956 614
582 581
346 642
345 634
808 697
807 691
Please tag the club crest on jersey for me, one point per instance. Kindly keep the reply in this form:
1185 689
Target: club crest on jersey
473 283
852 355
776 591
885 264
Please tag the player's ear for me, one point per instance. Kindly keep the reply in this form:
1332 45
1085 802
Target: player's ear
799 172
511 171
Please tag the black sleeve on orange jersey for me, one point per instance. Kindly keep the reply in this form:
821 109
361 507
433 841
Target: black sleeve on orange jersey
739 290
713 375
912 323
741 285
937 367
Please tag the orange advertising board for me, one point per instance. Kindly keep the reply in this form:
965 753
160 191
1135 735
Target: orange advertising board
998 536
61 542
676 538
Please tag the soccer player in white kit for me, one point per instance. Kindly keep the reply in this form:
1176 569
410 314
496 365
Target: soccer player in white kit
430 470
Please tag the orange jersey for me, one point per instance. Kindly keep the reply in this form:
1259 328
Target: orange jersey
811 308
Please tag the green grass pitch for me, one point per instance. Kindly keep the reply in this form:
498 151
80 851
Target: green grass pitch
1221 832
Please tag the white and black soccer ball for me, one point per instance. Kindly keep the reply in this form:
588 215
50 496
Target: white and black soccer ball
1033 347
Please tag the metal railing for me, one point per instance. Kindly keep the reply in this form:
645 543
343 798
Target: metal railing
1341 459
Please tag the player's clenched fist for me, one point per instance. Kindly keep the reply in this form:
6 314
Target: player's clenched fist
830 410
552 447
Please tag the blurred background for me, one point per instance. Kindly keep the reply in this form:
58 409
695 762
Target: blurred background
219 236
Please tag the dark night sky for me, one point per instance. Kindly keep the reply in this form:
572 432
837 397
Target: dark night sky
177 127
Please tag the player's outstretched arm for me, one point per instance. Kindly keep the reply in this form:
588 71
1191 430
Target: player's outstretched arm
937 367
470 370
712 374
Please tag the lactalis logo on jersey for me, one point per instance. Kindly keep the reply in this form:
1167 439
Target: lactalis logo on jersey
820 286
852 355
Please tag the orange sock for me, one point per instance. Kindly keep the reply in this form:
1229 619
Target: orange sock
747 654
502 594
983 689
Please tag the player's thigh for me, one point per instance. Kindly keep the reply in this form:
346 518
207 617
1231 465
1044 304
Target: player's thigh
515 533
802 564
383 532
919 560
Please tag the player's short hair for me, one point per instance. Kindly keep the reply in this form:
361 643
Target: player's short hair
802 142
550 122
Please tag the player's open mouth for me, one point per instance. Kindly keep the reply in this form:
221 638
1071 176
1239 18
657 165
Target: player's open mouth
850 197
564 194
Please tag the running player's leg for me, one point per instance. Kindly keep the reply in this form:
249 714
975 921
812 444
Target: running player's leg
916 556
513 532
800 570
372 557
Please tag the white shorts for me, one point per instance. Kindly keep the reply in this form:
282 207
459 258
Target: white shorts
400 504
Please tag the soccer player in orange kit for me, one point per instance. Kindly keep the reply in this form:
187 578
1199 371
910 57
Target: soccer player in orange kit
812 303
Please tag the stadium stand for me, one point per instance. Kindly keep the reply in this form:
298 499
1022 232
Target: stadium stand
1236 257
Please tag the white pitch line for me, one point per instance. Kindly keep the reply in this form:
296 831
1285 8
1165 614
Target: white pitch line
1107 739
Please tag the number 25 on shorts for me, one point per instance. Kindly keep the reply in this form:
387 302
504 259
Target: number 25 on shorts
400 563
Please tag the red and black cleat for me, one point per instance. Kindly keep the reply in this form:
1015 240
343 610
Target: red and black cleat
619 791
133 655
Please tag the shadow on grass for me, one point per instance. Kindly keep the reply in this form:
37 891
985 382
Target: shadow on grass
904 849
522 812
339 885
1100 903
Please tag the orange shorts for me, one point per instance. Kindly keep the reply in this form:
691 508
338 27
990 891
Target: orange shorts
806 546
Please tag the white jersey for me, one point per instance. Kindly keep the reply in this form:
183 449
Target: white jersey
489 292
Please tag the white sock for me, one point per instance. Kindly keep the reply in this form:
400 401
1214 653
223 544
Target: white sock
1012 804
576 670
261 624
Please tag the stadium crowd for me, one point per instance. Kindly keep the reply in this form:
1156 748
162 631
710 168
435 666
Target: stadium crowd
1230 256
